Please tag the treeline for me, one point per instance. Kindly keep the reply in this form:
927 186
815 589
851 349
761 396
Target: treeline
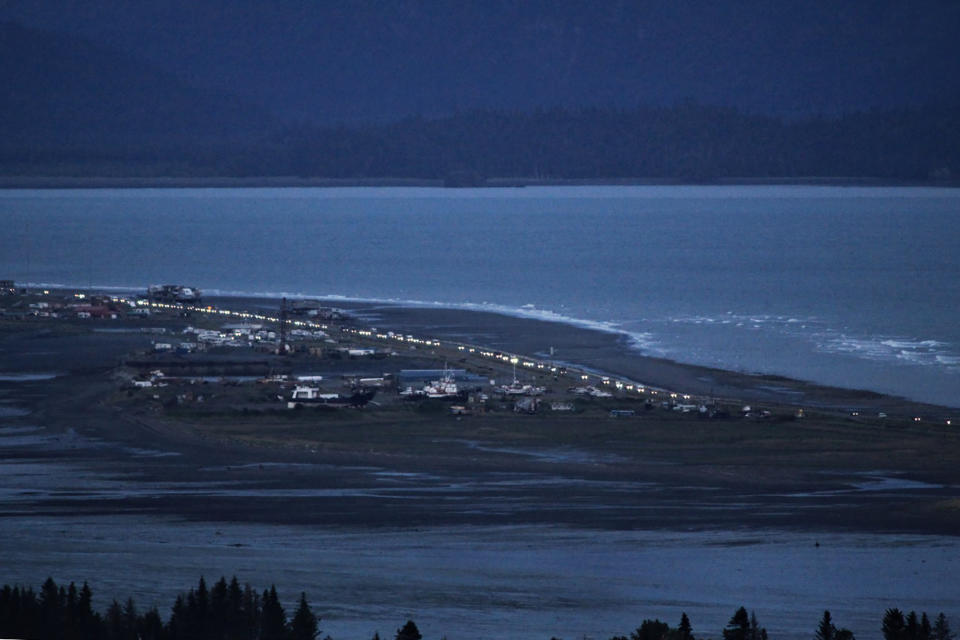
227 611
688 142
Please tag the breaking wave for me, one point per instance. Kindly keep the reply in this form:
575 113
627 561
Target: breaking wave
895 350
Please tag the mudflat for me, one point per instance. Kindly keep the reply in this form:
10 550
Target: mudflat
419 466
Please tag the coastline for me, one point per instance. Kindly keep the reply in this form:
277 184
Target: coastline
231 182
608 351
684 472
93 485
593 346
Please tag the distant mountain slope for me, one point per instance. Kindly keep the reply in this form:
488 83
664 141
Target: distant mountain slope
329 61
65 91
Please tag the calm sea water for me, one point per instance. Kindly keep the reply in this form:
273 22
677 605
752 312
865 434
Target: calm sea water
857 287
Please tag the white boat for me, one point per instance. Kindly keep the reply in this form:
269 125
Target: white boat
310 396
445 387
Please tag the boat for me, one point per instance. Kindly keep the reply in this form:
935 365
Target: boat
443 389
307 396
515 388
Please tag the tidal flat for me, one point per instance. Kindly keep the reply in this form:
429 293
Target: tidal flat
546 526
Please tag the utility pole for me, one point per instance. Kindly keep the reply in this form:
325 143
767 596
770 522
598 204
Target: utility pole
282 348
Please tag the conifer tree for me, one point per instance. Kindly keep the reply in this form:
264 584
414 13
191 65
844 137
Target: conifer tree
941 628
684 631
913 626
894 626
651 630
408 631
252 612
150 626
304 624
90 623
273 619
756 632
219 616
826 630
51 609
739 626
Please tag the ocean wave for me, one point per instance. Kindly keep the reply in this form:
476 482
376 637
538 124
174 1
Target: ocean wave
816 332
921 352
789 323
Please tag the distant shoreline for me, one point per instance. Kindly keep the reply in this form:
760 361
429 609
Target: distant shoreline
172 182
591 348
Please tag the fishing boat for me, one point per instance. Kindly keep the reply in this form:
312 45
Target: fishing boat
307 396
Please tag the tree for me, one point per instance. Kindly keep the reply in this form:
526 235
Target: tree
756 631
826 630
217 626
684 631
894 626
739 626
251 613
52 605
941 629
408 631
913 626
304 625
273 620
150 626
651 630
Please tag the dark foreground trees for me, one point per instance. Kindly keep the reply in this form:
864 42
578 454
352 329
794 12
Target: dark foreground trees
897 626
827 630
227 611
224 612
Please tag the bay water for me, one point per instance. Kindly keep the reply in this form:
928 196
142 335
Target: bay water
849 286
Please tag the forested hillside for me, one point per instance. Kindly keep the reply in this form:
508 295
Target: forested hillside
685 142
